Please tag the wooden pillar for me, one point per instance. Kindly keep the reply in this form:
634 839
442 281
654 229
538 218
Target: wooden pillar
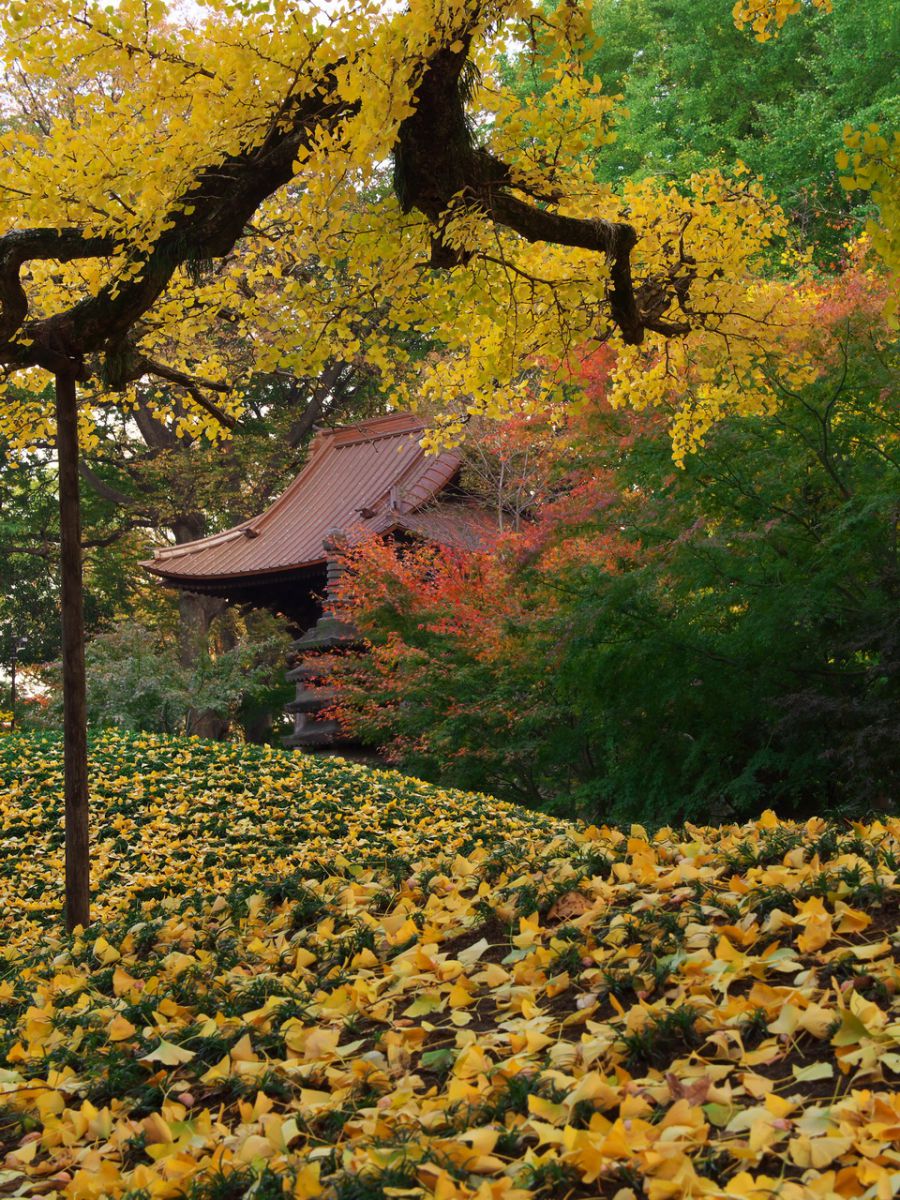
78 885
14 659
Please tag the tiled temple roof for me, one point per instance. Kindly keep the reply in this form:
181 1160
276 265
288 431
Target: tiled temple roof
361 479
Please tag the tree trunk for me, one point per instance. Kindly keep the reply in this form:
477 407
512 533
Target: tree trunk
195 612
78 870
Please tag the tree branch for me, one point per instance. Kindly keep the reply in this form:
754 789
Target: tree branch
50 550
192 386
103 489
436 166
222 198
24 245
330 382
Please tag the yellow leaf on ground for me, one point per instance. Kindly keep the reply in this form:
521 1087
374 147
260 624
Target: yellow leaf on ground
120 1029
168 1054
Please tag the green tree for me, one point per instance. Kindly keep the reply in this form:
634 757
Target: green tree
753 658
137 681
29 551
697 90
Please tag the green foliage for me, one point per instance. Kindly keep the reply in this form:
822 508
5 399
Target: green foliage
754 657
29 536
661 1039
137 682
696 90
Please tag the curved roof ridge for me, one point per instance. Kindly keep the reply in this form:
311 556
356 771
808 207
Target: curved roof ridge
386 425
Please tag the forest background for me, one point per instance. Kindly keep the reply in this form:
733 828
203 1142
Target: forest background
695 641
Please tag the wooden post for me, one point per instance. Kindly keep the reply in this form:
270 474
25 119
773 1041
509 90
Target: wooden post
12 687
78 879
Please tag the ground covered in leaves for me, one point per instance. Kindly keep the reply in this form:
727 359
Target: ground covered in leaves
310 979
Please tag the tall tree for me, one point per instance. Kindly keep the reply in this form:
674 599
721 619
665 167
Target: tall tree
139 214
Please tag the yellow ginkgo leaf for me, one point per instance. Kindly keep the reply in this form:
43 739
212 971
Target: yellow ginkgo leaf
120 1029
168 1054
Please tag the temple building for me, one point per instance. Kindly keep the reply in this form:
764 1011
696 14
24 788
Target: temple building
372 478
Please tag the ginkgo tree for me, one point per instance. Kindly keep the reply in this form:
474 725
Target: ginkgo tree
178 167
